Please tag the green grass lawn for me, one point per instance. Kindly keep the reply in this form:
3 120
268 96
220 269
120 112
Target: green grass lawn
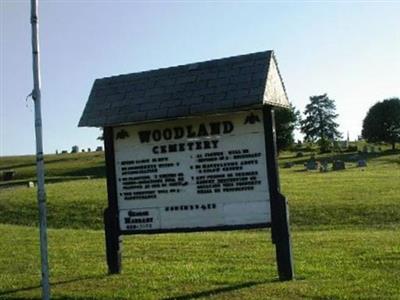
58 167
359 197
330 264
346 239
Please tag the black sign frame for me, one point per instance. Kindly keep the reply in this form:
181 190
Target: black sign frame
280 229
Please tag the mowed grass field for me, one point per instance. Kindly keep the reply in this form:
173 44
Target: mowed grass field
345 232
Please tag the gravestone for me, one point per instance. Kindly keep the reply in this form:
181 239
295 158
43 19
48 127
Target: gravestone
99 149
75 149
288 165
312 164
361 163
338 165
31 184
324 167
8 175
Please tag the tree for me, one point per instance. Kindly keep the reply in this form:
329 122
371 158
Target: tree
286 120
319 123
101 136
382 123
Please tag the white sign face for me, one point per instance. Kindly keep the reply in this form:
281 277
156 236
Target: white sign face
198 172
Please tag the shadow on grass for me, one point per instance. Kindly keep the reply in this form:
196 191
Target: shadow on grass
301 170
221 290
195 295
29 288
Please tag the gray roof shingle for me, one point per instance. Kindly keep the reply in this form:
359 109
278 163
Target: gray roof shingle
218 85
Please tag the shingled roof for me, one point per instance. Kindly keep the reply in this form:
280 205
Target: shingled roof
226 84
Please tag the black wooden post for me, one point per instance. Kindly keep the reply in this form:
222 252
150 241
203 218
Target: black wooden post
111 226
279 209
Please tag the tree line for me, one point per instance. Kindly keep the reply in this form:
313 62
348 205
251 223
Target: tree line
319 125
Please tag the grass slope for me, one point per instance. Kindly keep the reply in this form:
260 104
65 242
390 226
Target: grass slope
363 197
61 166
335 264
345 240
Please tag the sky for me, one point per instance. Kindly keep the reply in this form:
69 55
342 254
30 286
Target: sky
349 50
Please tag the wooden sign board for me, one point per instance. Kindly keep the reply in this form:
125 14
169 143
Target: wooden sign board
192 173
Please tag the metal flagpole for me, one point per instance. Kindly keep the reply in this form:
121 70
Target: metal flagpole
41 193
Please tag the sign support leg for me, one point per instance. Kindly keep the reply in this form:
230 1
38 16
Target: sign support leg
282 241
111 224
280 228
113 240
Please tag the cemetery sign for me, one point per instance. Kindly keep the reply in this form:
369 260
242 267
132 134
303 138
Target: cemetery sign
192 173
192 148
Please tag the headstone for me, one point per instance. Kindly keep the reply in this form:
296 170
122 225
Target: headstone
99 148
31 184
75 149
312 165
64 152
288 165
338 165
361 163
56 151
8 175
324 167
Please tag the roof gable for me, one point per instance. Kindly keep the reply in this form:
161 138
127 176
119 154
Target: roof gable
226 84
275 92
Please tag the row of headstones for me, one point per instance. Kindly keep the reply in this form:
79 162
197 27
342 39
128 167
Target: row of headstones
366 149
323 166
336 165
75 149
